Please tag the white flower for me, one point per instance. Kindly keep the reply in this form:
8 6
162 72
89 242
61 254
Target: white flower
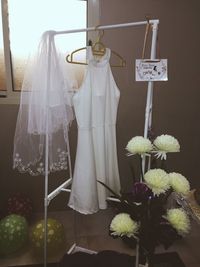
157 180
139 145
164 144
179 183
123 225
167 143
179 220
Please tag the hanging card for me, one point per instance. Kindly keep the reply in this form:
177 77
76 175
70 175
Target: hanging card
151 70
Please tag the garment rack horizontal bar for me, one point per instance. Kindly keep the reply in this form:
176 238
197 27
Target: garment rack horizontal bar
67 190
59 189
107 27
113 199
72 248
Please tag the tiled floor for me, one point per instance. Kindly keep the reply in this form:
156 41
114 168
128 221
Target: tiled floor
91 232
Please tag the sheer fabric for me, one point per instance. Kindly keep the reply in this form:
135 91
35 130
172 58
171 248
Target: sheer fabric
45 110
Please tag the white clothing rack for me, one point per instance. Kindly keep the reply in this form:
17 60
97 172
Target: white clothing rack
147 125
107 27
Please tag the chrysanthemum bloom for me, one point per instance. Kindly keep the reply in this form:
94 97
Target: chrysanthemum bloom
139 145
179 220
179 183
123 225
164 144
157 180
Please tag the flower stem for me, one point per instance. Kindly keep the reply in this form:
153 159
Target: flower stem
141 169
137 254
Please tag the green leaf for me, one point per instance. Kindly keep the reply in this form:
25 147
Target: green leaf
109 189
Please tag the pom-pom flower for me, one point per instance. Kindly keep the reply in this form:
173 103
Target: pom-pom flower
164 144
157 180
139 145
123 225
179 220
179 183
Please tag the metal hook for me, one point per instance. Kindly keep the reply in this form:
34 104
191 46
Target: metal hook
148 17
101 32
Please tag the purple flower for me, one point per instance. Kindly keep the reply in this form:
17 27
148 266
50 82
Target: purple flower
140 192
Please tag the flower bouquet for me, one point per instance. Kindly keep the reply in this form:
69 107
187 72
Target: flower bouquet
145 216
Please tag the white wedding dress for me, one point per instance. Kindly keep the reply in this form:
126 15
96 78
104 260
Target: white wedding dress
95 106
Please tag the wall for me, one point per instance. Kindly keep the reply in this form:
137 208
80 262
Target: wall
176 110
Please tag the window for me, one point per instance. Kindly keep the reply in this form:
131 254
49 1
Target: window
2 62
23 24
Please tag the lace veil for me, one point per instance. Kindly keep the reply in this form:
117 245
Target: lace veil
45 110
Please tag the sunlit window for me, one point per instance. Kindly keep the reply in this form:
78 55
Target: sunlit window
28 19
2 65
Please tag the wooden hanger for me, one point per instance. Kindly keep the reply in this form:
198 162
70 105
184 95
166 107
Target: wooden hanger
99 50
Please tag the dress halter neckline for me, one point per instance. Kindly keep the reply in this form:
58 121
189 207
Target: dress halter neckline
100 62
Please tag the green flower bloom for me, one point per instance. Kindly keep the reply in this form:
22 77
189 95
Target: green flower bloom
123 225
179 220
139 145
157 180
179 183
